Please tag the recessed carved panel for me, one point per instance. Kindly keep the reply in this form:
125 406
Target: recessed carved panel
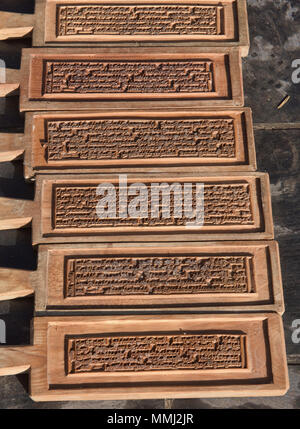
92 19
155 352
88 276
224 204
92 139
130 78
105 77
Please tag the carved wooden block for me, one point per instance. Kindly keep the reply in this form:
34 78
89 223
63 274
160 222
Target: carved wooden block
190 23
200 23
153 357
134 141
235 206
207 276
142 78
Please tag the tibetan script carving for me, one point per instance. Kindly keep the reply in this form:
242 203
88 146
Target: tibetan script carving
94 19
88 77
155 352
224 204
93 139
88 276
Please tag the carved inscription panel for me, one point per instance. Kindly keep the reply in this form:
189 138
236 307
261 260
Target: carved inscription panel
155 352
224 204
91 19
107 139
105 77
90 276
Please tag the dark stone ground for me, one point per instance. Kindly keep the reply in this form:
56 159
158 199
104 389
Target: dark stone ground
275 43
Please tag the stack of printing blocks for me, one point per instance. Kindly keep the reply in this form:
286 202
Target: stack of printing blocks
124 102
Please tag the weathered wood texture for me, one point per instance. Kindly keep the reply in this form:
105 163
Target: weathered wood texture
156 22
60 79
226 276
247 357
134 141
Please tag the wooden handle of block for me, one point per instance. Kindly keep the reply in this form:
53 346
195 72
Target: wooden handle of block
15 360
14 284
11 146
10 81
9 89
15 214
15 25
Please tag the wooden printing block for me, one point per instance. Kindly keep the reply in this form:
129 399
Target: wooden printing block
226 276
153 356
66 208
200 23
130 78
134 141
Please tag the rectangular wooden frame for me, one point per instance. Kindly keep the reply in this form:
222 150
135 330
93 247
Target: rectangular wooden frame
226 68
264 277
235 21
36 134
265 373
43 231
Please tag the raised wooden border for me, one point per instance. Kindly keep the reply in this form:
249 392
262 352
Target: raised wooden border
229 86
239 39
264 275
267 346
43 231
245 159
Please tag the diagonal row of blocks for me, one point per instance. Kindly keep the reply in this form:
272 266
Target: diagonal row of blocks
141 307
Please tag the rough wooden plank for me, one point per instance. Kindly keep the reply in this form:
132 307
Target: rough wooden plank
187 23
130 78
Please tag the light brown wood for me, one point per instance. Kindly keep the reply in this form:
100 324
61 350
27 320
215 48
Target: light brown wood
221 23
125 78
14 284
190 276
15 33
15 360
12 146
250 362
15 25
15 213
9 89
